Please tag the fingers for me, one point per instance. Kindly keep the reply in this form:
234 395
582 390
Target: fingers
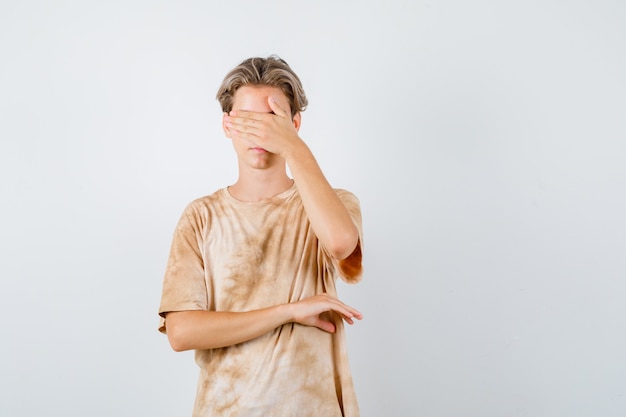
242 116
276 108
242 127
248 124
250 118
311 312
348 320
276 131
327 326
347 313
241 120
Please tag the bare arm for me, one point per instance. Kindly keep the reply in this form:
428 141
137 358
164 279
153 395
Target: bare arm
328 216
278 133
209 329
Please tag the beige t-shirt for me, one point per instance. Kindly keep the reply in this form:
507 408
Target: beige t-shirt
229 255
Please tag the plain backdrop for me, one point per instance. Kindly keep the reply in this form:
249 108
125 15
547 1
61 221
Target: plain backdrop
486 141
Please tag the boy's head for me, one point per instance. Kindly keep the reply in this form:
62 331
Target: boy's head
271 71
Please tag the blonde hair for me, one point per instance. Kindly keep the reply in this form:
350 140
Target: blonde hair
271 71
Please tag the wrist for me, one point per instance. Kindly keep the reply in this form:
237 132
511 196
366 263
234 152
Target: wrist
286 313
298 151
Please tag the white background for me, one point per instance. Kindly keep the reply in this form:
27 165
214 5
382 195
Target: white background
486 141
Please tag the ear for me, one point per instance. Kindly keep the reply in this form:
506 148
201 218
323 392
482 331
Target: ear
297 121
226 129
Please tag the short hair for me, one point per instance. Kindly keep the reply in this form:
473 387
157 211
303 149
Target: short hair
271 71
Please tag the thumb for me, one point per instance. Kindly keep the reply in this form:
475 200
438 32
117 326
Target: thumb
279 111
327 326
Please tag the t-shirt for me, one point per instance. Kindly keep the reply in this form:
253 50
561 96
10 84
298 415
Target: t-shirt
229 255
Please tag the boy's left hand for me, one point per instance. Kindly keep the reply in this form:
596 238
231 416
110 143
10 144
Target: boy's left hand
275 132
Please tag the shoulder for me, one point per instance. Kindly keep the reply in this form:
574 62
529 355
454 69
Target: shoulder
200 209
347 197
207 201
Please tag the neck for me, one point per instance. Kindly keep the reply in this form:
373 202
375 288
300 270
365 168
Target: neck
257 185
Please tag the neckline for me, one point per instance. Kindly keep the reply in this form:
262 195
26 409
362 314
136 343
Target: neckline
280 196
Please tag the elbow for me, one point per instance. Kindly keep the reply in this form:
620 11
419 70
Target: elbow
176 342
176 337
344 245
177 346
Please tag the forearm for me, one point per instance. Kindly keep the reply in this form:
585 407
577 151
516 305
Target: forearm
210 329
328 216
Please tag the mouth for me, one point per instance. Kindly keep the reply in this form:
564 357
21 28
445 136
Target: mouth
258 150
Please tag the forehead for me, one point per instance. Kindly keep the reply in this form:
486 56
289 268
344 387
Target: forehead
255 98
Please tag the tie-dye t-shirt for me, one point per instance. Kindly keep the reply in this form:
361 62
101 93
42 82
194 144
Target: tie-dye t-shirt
229 255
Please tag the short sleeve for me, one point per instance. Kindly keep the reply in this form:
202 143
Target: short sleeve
184 284
351 268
